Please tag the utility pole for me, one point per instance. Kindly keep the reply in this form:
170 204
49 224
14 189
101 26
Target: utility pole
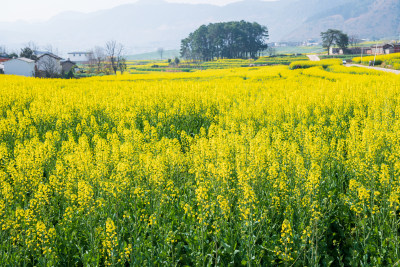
361 54
376 49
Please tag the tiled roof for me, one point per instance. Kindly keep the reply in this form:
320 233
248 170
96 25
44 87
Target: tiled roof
68 61
51 55
28 60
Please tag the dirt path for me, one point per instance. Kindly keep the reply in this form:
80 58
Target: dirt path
374 68
313 57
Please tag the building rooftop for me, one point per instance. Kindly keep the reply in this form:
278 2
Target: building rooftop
67 61
28 60
51 55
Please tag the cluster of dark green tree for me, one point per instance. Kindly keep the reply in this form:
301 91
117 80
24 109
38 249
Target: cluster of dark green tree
235 39
334 37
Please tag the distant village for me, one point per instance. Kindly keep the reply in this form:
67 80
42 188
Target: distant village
45 64
48 65
379 49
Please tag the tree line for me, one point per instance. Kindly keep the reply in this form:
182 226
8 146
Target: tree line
235 39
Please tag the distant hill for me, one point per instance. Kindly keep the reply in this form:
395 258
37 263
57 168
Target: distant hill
154 55
366 18
148 24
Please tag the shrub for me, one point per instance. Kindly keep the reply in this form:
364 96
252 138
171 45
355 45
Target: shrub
308 64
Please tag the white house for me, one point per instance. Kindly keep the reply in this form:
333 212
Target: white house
49 64
80 57
20 66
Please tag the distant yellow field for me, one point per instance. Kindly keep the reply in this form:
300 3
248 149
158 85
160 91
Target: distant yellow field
244 166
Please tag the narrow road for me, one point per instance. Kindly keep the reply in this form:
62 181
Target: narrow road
313 57
373 68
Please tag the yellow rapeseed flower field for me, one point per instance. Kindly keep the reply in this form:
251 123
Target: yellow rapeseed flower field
242 166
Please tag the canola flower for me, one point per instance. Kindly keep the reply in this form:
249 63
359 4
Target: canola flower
238 166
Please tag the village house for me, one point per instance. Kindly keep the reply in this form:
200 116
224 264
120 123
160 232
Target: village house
378 49
80 57
348 51
396 48
20 66
48 65
67 65
381 49
4 59
353 50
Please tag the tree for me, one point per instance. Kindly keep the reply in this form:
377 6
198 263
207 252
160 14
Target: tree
70 74
49 48
12 55
113 52
235 39
328 38
99 57
271 51
160 52
91 62
28 53
4 53
2 50
121 60
49 66
122 64
331 37
354 40
110 49
342 41
32 45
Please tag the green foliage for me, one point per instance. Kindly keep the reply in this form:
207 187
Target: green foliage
12 55
70 74
331 37
279 60
27 53
225 40
176 61
309 64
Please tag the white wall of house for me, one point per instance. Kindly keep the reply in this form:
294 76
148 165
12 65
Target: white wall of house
18 66
79 56
49 64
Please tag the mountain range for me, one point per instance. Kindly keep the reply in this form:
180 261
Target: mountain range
148 24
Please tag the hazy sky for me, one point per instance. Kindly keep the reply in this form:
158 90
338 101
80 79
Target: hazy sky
12 10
